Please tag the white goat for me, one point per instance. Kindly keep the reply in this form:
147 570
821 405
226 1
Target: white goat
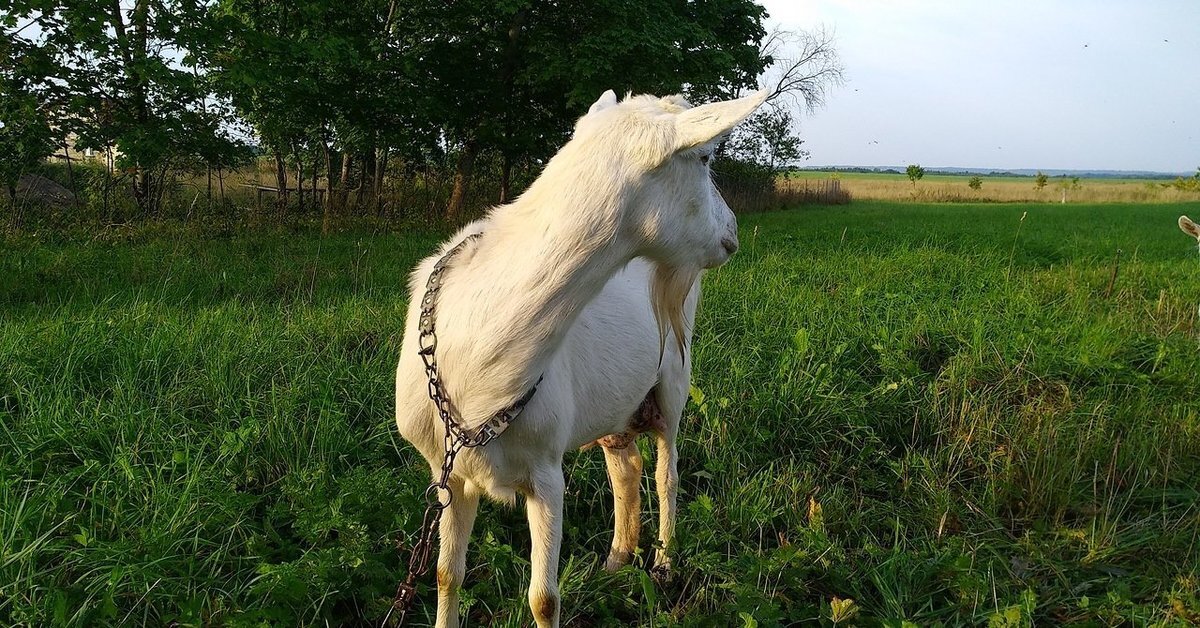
581 279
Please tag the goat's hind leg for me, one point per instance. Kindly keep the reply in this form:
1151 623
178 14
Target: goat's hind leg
625 474
454 532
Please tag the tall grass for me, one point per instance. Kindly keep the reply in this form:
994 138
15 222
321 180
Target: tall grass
954 189
885 425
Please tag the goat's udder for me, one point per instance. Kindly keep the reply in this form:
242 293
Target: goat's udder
648 418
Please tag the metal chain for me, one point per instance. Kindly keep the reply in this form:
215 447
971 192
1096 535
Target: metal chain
455 438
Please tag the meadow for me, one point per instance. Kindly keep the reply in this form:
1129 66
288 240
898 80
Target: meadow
902 414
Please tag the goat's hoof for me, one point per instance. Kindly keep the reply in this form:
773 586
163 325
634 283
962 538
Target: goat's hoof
616 561
662 574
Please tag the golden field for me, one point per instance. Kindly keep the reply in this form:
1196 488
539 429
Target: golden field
954 188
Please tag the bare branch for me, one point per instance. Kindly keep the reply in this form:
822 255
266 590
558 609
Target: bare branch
805 67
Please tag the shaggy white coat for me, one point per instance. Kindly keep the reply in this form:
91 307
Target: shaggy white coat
591 278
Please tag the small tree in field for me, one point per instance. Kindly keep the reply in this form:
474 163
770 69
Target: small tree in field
1040 180
1068 185
975 183
914 172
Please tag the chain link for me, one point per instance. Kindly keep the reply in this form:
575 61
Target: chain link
455 438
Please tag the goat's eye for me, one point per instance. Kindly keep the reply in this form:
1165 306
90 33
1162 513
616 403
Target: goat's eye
704 159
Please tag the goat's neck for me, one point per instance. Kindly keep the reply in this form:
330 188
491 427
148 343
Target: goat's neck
530 277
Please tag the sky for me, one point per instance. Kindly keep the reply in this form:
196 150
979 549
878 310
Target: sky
1007 84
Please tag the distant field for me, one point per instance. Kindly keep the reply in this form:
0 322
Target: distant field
903 412
954 188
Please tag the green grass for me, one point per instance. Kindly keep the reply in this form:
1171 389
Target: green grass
932 410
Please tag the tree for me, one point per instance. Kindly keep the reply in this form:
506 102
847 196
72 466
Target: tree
1039 182
127 76
511 79
435 86
1068 185
767 139
975 183
914 172
799 69
466 82
25 131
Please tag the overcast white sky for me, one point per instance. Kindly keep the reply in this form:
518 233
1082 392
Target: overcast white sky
1056 84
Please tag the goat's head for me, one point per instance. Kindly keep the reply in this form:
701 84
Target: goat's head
661 150
664 148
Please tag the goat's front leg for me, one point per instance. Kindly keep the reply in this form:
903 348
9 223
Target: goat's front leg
666 480
543 507
454 532
625 475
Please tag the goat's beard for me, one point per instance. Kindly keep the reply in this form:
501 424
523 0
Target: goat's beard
668 292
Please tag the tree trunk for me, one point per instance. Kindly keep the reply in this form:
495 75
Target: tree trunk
365 170
505 178
280 183
142 178
510 67
70 173
381 157
299 177
12 199
343 191
326 215
108 168
462 180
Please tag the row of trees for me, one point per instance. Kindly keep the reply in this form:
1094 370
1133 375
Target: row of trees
361 90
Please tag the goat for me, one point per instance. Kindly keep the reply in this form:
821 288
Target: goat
580 280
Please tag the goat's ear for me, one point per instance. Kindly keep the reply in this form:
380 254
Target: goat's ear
706 123
1189 227
607 99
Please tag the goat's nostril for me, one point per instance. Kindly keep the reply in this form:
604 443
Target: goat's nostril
730 244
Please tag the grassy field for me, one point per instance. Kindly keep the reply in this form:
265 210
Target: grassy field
936 414
953 188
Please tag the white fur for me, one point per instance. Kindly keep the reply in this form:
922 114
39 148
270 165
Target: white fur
580 279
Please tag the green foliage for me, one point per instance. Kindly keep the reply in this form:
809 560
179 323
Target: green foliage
113 77
172 85
1192 183
767 139
423 78
1069 184
24 133
885 428
976 183
1039 181
914 173
385 90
